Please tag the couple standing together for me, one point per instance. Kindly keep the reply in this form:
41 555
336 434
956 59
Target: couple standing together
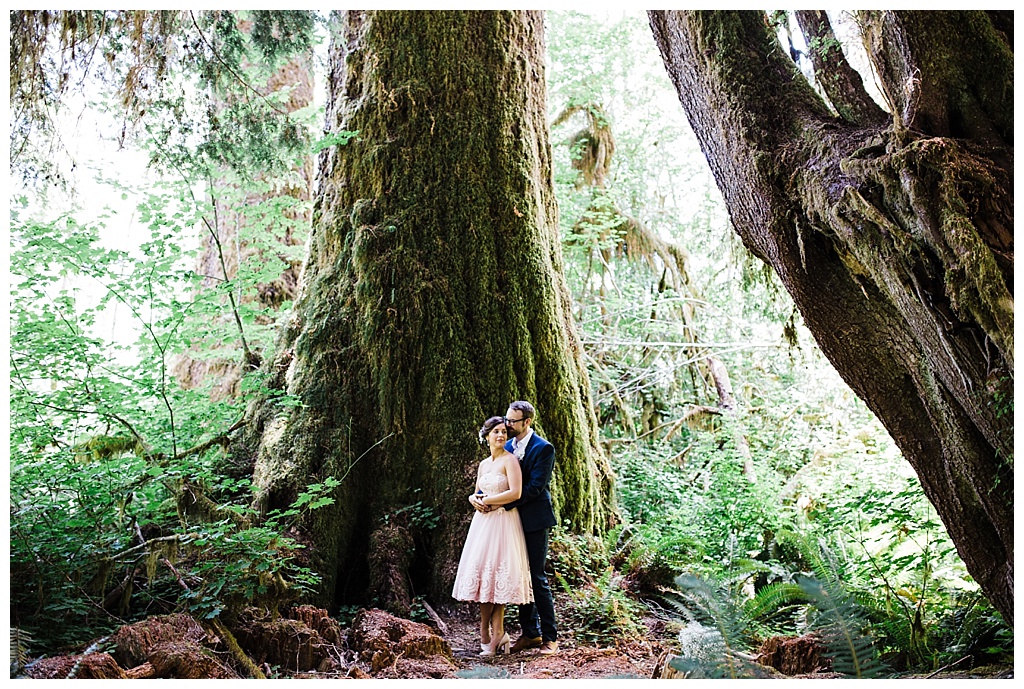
507 545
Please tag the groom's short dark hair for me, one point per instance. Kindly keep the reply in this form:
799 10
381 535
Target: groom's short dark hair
525 407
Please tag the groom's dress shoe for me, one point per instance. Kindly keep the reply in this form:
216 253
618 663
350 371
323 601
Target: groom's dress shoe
549 648
524 642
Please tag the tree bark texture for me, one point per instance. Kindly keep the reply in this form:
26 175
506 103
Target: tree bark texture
895 243
432 296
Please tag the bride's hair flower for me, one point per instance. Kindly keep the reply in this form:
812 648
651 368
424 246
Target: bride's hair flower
488 426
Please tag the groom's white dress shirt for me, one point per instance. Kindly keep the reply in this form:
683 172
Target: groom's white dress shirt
519 448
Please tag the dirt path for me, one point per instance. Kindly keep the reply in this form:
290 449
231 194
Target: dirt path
636 659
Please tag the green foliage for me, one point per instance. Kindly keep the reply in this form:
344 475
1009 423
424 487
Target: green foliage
599 606
601 611
334 139
484 672
346 614
101 430
716 636
21 643
577 558
972 628
842 629
242 124
417 514
418 612
650 557
824 46
237 567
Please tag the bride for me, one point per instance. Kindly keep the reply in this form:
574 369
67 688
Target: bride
494 569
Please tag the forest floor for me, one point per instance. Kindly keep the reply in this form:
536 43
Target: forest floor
575 659
308 643
579 659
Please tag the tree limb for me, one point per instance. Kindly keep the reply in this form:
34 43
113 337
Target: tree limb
840 81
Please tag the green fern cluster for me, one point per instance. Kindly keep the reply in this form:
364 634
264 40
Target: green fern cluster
718 640
21 641
601 611
842 627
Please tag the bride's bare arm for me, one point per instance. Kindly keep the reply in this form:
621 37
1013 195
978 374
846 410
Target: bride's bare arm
515 483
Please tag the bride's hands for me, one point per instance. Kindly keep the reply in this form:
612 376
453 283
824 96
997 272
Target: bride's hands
476 500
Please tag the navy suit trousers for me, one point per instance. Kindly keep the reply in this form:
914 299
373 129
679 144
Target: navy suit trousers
543 605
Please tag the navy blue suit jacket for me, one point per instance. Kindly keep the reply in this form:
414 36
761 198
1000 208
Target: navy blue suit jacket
534 504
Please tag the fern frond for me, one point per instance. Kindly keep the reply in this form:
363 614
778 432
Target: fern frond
841 629
717 631
771 598
20 643
483 672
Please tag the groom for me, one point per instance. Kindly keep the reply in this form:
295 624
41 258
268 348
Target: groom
537 459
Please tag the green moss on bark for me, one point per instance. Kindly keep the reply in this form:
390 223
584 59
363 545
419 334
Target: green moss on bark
433 294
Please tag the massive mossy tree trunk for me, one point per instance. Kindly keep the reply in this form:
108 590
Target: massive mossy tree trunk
895 240
432 297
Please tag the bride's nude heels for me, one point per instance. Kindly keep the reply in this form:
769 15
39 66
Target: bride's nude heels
504 645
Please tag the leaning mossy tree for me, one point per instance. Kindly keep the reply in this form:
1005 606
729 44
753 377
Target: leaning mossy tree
894 235
432 296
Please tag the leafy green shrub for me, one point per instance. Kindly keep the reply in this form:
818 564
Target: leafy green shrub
237 566
577 559
601 611
971 627
650 558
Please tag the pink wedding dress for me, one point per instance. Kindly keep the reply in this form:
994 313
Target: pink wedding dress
494 567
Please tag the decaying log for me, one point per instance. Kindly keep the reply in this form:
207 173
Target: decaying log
133 643
800 655
382 639
92 666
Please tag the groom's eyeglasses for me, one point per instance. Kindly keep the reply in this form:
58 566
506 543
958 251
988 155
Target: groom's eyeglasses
509 421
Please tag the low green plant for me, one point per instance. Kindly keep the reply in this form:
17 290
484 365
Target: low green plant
601 611
578 559
483 672
971 627
719 636
650 557
346 614
418 611
237 566
416 514
843 628
715 641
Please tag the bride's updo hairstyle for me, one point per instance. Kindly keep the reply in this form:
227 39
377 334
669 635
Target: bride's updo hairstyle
488 426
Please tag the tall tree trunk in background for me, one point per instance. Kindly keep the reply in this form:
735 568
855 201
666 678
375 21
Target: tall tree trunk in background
248 229
727 404
896 244
432 297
